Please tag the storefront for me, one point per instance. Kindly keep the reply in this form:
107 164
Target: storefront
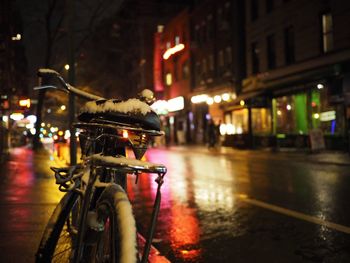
286 117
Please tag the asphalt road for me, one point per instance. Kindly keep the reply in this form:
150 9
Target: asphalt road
228 206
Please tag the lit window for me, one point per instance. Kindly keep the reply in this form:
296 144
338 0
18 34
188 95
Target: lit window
177 40
168 79
327 32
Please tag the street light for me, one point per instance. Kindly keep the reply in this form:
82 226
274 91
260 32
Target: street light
66 67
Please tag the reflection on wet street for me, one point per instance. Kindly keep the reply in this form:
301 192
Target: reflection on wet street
222 208
28 195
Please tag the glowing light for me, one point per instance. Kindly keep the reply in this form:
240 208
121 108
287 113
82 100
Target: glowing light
55 137
17 37
223 129
125 134
288 107
63 107
32 131
43 124
67 134
160 107
316 115
210 101
32 119
29 125
320 86
242 103
230 129
239 130
60 133
171 51
66 67
168 79
199 98
5 118
225 96
328 115
279 113
171 120
16 116
217 99
176 104
24 103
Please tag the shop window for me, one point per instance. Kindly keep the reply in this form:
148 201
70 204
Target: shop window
239 121
292 114
261 121
327 32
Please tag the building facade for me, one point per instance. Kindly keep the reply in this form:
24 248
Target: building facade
298 71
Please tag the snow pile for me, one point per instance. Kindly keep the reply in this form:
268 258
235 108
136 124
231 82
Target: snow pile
47 70
129 106
122 161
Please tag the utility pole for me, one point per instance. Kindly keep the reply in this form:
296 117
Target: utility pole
71 80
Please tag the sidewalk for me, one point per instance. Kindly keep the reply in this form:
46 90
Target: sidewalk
323 157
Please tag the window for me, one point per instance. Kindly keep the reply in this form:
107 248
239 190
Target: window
177 40
269 5
221 58
185 70
254 6
204 65
271 52
168 79
289 48
210 27
228 56
211 62
255 57
327 32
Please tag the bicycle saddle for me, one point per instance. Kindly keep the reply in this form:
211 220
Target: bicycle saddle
132 112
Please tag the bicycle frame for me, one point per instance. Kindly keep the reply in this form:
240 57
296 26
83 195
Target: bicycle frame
97 171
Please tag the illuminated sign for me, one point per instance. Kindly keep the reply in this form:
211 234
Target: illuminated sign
176 104
199 98
327 115
24 103
171 51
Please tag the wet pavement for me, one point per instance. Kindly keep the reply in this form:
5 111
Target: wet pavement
220 205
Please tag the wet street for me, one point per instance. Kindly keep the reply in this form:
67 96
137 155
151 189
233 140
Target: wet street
248 207
227 206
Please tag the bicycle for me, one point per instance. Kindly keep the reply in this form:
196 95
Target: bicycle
94 222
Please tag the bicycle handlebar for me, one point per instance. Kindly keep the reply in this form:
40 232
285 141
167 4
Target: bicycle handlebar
65 86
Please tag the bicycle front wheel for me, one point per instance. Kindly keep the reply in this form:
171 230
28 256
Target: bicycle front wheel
110 234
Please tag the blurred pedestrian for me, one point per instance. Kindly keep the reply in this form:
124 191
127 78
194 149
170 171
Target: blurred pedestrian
211 133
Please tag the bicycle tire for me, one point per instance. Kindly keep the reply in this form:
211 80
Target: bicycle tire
54 227
115 202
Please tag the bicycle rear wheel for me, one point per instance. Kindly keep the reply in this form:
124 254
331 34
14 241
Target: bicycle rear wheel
117 241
